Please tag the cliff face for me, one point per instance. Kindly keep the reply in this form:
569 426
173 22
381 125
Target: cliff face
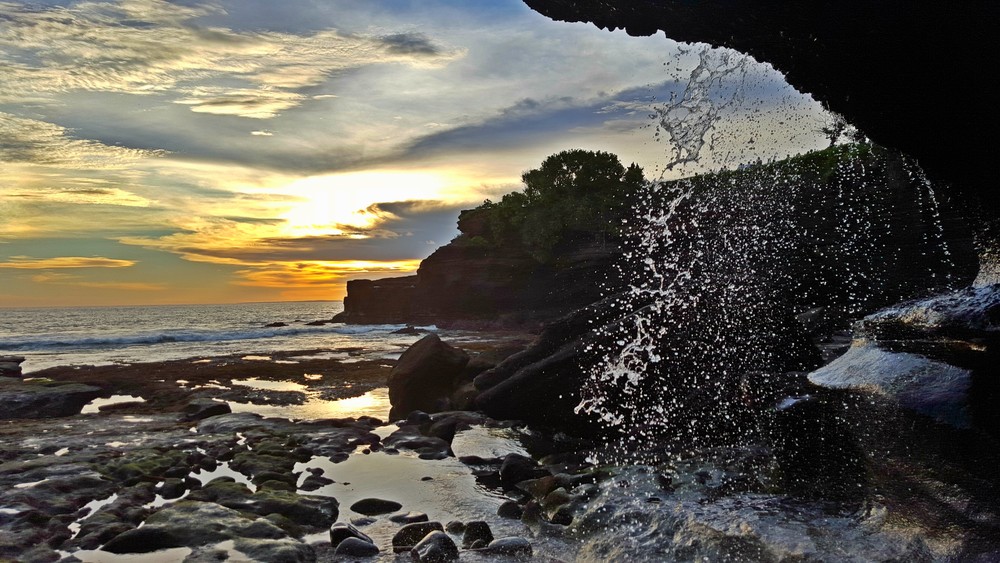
479 286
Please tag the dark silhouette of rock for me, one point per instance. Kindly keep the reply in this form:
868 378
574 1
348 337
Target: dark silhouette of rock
411 534
477 530
10 366
409 518
436 547
425 377
509 547
356 547
375 506
202 407
26 399
276 324
341 531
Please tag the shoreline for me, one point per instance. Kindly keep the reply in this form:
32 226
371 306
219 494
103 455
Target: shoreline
79 487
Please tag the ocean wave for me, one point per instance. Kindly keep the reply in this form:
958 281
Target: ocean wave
172 336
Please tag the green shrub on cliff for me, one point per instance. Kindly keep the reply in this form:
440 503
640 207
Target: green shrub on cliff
574 196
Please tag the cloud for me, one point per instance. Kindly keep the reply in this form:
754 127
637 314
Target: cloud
256 104
313 273
152 46
29 263
31 141
410 44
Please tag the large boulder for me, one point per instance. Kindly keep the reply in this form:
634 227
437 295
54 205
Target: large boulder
28 399
425 377
936 357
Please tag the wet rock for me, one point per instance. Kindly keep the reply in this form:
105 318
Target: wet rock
10 366
276 324
455 527
375 506
435 547
934 356
340 532
191 524
409 518
410 534
409 329
510 509
509 547
425 377
355 547
363 521
278 551
517 468
143 540
172 488
25 399
476 530
313 482
202 408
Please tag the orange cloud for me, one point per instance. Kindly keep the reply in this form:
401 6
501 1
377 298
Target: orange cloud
29 263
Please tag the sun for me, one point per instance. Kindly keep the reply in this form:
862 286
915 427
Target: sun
342 204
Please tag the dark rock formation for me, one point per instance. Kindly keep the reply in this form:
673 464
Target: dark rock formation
28 399
425 377
10 366
384 301
937 357
868 61
462 283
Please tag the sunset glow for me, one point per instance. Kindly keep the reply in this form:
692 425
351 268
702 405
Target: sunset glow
161 152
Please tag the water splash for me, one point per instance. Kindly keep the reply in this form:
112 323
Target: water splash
733 274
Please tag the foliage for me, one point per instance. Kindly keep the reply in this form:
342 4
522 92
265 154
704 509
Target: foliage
575 195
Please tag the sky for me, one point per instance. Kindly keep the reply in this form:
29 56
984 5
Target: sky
156 152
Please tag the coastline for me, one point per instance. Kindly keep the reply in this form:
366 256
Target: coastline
77 486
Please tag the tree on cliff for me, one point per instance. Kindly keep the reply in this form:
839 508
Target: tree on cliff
574 195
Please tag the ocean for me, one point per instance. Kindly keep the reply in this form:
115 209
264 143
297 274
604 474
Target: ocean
49 337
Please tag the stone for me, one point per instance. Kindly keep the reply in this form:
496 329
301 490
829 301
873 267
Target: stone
341 531
202 408
509 547
286 550
435 547
411 534
375 506
476 530
425 377
356 547
455 527
517 468
409 518
510 509
25 399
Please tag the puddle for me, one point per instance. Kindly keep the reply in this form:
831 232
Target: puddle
91 507
223 470
163 556
451 493
257 358
29 485
94 406
269 385
374 403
